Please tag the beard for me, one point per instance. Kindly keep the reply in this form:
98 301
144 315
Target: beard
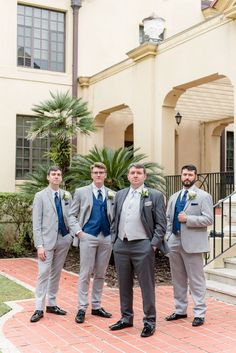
188 183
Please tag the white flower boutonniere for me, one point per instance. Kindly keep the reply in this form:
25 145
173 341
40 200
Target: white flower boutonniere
110 195
144 192
192 195
66 196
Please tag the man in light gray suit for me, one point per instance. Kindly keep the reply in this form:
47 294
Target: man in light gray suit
90 218
138 230
189 213
52 240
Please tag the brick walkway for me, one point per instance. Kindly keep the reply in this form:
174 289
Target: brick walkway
56 334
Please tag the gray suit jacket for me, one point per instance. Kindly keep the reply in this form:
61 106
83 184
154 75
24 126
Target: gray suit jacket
45 219
199 211
153 217
81 208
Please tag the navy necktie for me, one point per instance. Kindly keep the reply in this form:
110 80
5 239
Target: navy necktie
100 197
61 224
184 198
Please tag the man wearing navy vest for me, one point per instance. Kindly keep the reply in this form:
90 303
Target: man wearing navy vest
90 217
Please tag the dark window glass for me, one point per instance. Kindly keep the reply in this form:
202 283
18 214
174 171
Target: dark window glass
40 35
29 154
230 152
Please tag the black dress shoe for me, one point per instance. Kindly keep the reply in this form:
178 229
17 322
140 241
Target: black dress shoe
175 316
55 310
101 312
37 315
80 317
148 330
119 325
198 321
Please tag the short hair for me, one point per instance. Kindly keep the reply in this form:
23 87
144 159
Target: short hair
53 168
138 166
189 167
99 165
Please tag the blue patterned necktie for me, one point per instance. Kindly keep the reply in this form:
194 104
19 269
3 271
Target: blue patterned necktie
100 197
61 224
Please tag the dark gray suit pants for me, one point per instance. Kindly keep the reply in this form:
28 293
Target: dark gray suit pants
136 258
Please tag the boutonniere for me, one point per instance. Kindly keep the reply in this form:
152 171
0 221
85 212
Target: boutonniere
144 192
110 195
66 196
192 195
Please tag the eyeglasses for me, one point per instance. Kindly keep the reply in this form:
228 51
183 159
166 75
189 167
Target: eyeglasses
97 173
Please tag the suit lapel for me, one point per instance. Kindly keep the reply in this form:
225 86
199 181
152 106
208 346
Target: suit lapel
50 197
189 201
122 199
90 196
175 197
61 193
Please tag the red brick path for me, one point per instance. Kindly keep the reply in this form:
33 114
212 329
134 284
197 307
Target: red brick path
56 334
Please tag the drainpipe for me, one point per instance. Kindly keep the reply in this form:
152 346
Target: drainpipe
76 5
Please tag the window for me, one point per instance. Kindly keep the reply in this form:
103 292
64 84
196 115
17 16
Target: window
40 38
29 154
230 152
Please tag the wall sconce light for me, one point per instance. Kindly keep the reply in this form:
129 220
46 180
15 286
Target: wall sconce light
178 118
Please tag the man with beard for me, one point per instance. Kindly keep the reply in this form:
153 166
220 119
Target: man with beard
189 213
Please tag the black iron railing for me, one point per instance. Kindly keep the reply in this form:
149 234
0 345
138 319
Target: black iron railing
221 235
219 185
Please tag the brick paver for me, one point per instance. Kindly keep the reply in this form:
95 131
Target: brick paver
58 334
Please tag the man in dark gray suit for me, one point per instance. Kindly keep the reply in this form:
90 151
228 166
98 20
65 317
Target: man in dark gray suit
52 240
138 230
189 213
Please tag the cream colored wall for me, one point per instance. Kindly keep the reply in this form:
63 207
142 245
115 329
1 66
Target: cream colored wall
144 85
110 28
20 88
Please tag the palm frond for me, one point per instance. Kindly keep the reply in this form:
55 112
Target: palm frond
117 163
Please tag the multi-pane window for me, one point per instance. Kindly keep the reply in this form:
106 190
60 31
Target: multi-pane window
40 38
29 154
230 152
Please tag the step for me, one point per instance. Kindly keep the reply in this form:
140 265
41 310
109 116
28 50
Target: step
222 275
230 262
220 291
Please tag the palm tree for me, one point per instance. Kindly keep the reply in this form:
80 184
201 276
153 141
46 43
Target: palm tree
61 118
36 181
117 162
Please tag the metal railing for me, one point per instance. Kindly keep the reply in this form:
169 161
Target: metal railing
221 234
219 185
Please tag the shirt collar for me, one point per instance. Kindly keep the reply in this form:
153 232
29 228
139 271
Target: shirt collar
139 190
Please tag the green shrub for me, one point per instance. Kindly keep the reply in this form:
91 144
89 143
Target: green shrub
15 223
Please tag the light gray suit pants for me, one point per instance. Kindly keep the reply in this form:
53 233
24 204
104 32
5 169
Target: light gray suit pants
49 272
187 269
95 253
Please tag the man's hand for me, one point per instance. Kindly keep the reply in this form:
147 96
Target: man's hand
41 253
80 234
182 217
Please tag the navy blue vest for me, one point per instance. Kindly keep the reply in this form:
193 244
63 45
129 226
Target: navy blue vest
98 221
179 206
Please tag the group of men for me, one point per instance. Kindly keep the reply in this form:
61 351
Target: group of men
133 223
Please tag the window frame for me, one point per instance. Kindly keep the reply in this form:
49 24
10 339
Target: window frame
22 144
42 37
